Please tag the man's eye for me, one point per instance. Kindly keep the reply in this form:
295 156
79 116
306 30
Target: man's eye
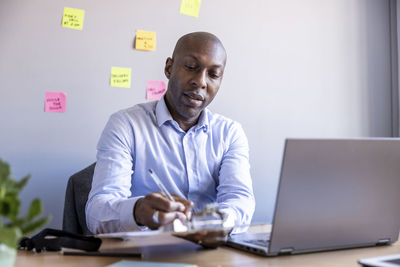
190 67
214 75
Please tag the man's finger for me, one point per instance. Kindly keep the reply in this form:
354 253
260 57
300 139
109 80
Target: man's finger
187 203
184 201
160 202
169 217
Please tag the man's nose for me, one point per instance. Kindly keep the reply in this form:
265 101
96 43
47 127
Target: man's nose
199 80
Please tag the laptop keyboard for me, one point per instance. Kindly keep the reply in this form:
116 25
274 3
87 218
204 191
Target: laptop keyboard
258 242
261 240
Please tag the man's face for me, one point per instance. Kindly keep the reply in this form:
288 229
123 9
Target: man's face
195 75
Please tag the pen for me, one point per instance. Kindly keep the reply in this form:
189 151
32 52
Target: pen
160 185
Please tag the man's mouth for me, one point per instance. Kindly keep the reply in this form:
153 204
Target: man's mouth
194 96
193 100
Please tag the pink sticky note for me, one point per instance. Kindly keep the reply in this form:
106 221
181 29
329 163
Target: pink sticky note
155 90
55 102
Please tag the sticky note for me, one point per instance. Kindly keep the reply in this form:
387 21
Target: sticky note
190 7
55 102
155 90
120 77
145 40
73 18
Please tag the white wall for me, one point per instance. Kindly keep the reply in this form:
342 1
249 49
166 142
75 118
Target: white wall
296 68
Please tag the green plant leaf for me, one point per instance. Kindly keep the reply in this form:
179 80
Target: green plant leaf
35 209
4 171
9 206
3 191
10 236
21 184
26 229
14 187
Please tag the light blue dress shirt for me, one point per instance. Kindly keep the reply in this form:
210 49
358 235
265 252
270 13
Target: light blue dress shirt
208 163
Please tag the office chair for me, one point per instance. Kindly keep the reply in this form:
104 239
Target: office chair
76 195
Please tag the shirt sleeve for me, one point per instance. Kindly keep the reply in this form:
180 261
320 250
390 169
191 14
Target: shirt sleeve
109 207
235 191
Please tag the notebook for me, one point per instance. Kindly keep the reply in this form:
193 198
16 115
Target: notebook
332 194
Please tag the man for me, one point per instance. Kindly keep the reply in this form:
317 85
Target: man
201 157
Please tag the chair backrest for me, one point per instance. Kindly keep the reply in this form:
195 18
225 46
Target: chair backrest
76 195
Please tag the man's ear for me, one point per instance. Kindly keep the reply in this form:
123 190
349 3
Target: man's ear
168 67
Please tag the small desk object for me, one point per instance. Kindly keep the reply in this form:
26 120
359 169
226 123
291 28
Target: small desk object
385 261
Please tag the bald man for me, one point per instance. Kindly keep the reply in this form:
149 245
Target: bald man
201 157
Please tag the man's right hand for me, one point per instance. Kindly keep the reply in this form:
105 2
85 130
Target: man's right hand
155 210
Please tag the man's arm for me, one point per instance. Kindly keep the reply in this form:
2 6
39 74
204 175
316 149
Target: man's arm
235 191
109 208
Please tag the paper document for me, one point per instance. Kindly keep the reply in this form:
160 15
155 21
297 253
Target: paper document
126 263
127 235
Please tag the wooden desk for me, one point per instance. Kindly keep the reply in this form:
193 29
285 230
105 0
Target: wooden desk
177 250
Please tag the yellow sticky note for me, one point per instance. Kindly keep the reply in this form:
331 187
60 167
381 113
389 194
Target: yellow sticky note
73 18
120 77
145 40
190 7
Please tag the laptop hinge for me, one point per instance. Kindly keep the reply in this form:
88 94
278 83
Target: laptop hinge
382 242
286 251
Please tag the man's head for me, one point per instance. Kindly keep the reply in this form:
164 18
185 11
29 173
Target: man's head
195 73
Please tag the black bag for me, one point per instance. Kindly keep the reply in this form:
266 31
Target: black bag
53 240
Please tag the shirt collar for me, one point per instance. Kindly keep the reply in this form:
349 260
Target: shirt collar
203 121
162 112
163 115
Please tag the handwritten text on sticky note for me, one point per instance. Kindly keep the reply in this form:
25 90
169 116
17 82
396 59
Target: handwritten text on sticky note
120 77
55 102
73 18
155 90
145 40
190 7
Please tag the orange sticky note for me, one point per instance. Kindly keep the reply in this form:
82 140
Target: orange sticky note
145 40
73 18
190 7
55 102
155 90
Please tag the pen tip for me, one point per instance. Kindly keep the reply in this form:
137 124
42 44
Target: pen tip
150 171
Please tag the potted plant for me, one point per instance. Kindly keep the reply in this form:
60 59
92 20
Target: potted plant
13 227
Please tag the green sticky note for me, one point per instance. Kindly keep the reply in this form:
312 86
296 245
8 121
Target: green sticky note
120 77
190 7
73 18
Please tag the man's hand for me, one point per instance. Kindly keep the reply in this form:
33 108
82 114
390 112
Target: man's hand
156 209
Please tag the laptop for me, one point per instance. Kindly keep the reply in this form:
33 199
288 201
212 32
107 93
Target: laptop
332 194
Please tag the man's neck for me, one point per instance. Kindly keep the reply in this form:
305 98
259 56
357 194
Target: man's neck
185 125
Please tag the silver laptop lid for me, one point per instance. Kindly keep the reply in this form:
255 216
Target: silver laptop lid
337 194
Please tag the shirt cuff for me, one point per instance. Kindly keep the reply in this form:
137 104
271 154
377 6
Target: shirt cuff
127 221
231 214
231 220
